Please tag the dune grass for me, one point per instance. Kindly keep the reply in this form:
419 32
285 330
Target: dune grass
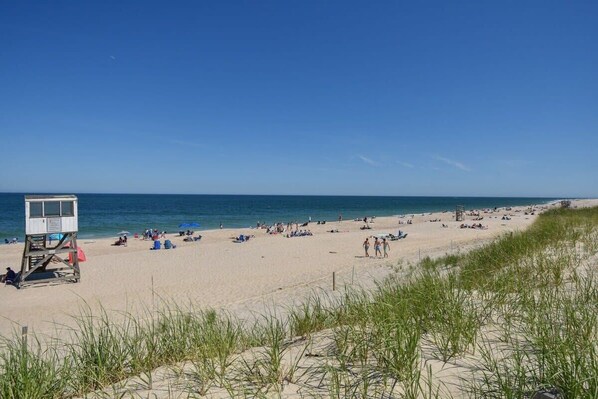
524 308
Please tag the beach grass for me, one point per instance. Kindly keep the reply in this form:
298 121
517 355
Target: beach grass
517 315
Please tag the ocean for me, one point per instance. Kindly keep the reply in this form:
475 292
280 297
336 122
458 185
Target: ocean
104 215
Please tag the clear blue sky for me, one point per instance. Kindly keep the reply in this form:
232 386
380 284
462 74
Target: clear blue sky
300 97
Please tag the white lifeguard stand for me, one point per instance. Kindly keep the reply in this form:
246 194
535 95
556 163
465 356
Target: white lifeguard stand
48 216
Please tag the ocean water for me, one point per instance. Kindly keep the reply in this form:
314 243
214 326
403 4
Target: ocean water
103 215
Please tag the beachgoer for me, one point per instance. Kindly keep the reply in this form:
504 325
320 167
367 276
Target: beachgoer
366 246
220 224
9 277
340 217
386 247
377 247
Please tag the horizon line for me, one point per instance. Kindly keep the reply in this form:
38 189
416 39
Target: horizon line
303 195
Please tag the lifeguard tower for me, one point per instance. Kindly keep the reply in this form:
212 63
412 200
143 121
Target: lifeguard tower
459 213
50 219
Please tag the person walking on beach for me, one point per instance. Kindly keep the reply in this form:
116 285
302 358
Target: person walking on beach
386 247
366 246
377 247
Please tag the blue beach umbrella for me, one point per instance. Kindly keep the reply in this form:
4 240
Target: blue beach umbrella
188 225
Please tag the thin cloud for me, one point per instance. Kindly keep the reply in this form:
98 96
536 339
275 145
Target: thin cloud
406 164
456 164
368 160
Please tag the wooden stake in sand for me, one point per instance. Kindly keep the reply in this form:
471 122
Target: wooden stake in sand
24 331
333 281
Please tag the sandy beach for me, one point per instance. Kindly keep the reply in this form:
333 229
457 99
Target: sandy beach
242 277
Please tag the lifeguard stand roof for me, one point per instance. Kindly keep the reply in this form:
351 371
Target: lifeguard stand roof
43 197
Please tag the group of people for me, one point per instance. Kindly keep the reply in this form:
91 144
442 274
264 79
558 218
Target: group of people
279 228
299 233
122 240
473 226
153 234
379 246
14 240
243 238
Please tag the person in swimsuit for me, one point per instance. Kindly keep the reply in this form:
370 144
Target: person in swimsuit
377 247
366 246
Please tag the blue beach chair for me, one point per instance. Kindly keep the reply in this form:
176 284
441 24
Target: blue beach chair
156 244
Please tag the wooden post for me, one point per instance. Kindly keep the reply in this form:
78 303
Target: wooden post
24 331
333 281
353 275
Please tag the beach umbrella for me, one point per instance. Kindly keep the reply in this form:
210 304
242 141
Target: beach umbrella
123 233
188 225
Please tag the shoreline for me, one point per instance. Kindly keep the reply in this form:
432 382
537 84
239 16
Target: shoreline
241 278
107 227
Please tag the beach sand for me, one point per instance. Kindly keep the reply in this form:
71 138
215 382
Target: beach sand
240 277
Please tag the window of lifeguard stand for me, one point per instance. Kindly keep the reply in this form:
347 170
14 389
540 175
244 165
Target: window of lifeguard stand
67 208
51 208
36 210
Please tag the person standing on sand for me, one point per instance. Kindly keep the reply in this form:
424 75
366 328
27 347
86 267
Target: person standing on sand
366 246
377 247
386 247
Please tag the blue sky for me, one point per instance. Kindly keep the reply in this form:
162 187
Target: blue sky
300 97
